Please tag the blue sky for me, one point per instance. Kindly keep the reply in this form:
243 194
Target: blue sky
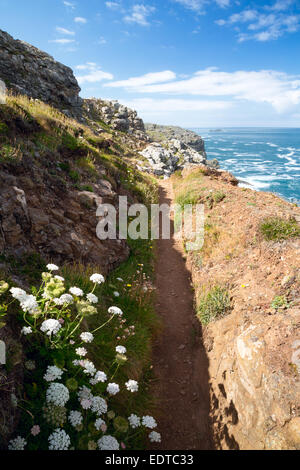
195 63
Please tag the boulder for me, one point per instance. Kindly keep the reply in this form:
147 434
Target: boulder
2 92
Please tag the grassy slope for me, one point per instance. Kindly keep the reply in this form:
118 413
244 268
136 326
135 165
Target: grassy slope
32 128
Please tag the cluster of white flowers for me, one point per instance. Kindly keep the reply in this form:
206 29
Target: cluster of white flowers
28 303
149 422
81 352
92 298
59 278
53 373
75 418
59 440
52 267
155 436
85 397
115 311
57 394
76 291
97 278
98 423
26 330
134 421
88 367
108 443
65 299
99 377
17 444
113 389
99 406
87 337
30 365
121 349
132 386
50 327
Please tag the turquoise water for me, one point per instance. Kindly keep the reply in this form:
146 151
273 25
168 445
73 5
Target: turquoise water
267 159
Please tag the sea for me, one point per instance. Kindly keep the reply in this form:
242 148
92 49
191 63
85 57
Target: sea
264 159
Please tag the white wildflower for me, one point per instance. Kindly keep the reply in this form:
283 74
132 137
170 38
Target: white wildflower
87 337
97 279
76 291
115 311
17 444
84 393
108 443
26 330
86 404
59 440
65 299
99 405
121 349
29 304
98 423
50 327
88 367
116 294
149 422
75 418
92 298
59 278
120 279
155 436
52 267
134 421
57 394
99 377
30 365
113 389
18 294
132 386
81 352
53 373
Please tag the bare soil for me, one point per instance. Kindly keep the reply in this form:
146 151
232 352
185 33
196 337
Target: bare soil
179 358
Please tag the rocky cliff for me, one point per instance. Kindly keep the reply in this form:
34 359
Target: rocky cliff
28 71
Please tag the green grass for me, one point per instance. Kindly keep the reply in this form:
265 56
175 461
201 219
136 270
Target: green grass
277 228
213 304
279 302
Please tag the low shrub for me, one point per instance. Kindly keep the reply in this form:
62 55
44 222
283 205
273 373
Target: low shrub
277 228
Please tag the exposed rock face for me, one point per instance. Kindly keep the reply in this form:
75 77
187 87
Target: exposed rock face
28 71
166 158
116 115
159 133
38 214
2 92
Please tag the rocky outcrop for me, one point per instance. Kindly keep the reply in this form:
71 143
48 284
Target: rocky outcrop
173 155
28 71
115 115
2 92
163 134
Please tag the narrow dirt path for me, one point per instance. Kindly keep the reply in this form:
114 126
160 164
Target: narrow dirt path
179 359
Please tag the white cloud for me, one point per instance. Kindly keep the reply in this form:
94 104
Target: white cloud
147 79
112 5
194 5
69 5
269 26
198 6
63 41
102 41
139 14
80 19
148 105
65 31
94 73
281 5
277 89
